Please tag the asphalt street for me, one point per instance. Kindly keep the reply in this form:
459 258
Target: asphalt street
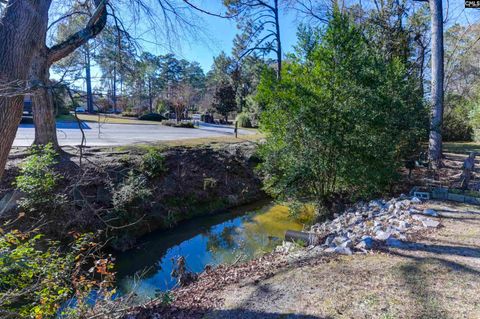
104 134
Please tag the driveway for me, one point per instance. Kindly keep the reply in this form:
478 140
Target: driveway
104 134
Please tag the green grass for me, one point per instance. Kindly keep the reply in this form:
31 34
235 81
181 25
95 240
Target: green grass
113 119
102 118
66 118
461 147
193 142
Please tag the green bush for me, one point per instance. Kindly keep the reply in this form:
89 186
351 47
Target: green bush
37 179
243 120
129 114
152 117
179 124
38 276
456 127
341 119
253 109
130 195
130 199
21 265
153 163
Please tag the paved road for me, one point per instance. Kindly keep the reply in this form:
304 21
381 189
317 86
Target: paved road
103 134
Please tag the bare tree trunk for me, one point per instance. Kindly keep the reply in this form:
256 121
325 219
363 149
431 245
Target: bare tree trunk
422 69
435 140
150 98
88 79
114 89
43 106
19 36
44 116
279 42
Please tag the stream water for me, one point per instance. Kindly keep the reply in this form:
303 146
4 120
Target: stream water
238 234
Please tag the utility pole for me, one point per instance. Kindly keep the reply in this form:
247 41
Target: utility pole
88 80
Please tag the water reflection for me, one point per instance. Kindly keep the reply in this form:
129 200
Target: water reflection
239 234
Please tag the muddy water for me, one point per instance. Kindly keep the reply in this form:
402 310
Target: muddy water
239 234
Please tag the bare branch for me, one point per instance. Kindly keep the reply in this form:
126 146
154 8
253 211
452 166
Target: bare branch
94 26
209 12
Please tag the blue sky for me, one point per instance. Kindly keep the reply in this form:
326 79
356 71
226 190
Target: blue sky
216 35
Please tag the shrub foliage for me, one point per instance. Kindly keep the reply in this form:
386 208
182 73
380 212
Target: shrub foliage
37 179
342 118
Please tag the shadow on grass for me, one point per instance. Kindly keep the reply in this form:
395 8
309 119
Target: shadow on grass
416 274
464 251
249 314
415 277
199 312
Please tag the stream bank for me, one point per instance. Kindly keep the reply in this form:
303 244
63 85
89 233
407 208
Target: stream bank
193 182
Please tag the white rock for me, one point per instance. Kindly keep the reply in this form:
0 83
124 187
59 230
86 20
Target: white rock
430 223
391 207
403 204
343 250
329 240
416 200
381 235
413 211
346 244
418 217
403 225
340 240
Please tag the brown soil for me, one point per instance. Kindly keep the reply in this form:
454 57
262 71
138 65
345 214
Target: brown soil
198 180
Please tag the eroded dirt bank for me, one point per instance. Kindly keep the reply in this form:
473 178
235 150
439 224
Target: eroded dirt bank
193 181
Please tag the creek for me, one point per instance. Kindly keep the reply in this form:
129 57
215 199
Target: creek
233 236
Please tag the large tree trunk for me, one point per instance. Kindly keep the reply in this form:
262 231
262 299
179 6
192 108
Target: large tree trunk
435 140
20 28
43 106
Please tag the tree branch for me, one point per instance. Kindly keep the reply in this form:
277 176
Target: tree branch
64 17
94 26
208 12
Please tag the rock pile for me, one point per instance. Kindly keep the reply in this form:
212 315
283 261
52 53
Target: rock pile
378 222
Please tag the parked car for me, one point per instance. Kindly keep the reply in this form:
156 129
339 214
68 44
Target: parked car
27 106
80 110
197 117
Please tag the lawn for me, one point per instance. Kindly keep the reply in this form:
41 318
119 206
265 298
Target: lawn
193 142
103 118
461 147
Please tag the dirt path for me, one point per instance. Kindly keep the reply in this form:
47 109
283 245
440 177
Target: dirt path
436 275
